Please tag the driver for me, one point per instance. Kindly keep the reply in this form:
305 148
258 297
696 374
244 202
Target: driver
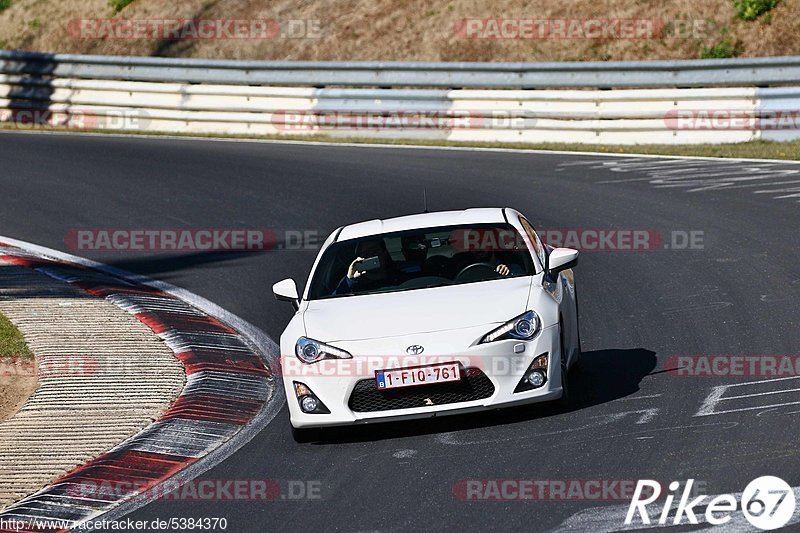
386 275
484 256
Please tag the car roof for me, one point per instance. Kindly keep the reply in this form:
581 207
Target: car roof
481 215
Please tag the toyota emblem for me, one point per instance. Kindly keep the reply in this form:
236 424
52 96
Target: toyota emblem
415 349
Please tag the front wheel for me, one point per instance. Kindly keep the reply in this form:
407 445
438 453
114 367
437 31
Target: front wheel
564 400
576 360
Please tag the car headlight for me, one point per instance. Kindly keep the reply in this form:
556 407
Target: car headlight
310 351
525 327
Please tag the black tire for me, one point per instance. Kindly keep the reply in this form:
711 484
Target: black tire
565 398
564 401
576 360
304 435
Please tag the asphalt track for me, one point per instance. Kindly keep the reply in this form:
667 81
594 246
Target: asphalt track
632 417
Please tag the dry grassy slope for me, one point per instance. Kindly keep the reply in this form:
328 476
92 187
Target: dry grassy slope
403 29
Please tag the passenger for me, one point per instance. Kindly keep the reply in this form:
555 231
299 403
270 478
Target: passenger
386 275
414 252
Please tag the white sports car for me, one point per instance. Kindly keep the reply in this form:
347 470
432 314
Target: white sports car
429 314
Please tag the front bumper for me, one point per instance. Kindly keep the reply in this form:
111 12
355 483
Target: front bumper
333 381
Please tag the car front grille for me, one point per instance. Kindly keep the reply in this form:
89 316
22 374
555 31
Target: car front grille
474 385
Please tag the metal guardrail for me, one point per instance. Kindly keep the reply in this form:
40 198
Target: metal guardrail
408 100
489 103
749 72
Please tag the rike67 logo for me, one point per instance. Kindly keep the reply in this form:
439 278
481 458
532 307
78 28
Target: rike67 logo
767 503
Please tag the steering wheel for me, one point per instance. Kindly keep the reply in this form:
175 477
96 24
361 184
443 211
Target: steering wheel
476 270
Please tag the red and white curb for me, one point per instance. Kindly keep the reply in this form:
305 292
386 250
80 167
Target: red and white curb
230 394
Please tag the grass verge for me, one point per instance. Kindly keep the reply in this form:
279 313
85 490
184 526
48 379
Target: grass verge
788 150
12 345
18 378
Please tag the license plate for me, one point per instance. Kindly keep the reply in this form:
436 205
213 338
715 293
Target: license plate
419 375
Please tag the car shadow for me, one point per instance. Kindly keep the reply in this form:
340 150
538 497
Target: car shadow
603 376
163 264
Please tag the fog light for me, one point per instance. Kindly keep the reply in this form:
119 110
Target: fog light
309 404
536 378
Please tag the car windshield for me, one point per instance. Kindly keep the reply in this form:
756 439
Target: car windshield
421 258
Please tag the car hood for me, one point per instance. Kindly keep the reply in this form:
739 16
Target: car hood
416 311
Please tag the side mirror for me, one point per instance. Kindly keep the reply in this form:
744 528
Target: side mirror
561 259
286 290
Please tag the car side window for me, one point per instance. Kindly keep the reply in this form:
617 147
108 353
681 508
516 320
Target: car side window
534 237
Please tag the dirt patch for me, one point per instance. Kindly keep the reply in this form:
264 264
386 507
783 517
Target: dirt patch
14 392
17 369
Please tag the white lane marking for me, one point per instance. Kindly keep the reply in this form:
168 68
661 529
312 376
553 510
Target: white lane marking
610 518
717 395
762 381
653 176
404 454
711 401
638 434
630 398
794 190
700 176
728 182
711 306
592 440
761 394
719 177
747 185
645 416
753 408
399 146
